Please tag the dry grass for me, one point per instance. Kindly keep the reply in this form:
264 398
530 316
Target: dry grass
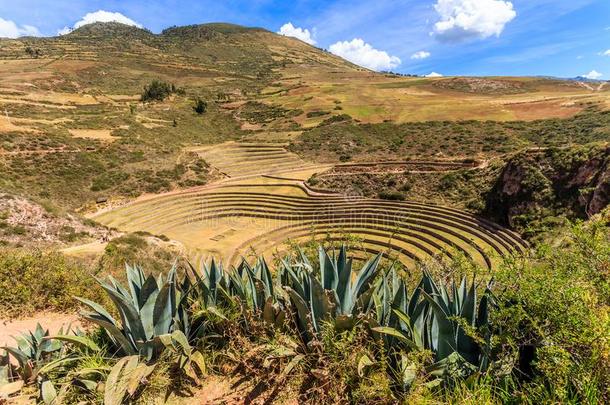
99 134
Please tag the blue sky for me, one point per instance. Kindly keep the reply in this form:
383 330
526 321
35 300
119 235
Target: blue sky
453 37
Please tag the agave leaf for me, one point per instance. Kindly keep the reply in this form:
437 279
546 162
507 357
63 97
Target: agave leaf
291 365
182 341
130 318
150 287
303 314
116 383
446 338
89 385
365 276
198 359
468 308
363 363
162 312
321 307
135 377
135 282
48 392
20 356
269 311
328 270
344 284
305 261
400 295
363 301
397 334
81 341
97 308
413 330
113 332
266 278
483 312
147 312
61 362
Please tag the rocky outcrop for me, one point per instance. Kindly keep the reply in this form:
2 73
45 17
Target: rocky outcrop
574 182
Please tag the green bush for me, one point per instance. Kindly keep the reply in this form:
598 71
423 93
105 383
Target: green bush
157 91
392 195
554 318
32 281
313 114
134 248
200 106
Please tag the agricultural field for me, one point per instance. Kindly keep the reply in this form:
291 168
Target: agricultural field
264 206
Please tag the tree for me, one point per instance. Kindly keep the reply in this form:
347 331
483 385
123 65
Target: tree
157 90
200 106
34 53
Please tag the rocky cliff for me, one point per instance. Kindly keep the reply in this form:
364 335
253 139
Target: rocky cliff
572 182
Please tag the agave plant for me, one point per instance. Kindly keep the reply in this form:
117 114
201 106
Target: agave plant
255 288
126 377
149 309
336 294
444 323
209 288
39 357
33 351
391 300
454 318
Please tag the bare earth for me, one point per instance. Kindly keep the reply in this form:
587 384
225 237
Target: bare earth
49 320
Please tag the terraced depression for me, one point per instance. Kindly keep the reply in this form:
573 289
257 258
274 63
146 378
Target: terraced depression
263 206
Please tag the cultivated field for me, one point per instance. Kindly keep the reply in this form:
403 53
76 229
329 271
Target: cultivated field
374 98
264 207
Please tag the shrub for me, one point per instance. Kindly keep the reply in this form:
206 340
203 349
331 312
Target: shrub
554 316
34 281
392 195
200 106
313 114
157 91
134 248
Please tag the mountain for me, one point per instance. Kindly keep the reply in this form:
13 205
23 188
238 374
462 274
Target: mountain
207 51
586 79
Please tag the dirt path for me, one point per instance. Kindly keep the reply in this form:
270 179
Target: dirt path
49 320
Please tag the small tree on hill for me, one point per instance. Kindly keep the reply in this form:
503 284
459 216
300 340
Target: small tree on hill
200 106
34 53
157 91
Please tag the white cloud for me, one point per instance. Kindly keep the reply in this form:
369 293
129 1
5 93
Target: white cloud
359 52
606 53
466 19
290 30
100 16
8 29
593 75
434 74
421 55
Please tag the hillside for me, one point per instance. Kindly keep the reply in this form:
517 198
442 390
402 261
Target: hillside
75 131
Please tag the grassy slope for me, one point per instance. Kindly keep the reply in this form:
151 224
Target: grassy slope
91 80
350 140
